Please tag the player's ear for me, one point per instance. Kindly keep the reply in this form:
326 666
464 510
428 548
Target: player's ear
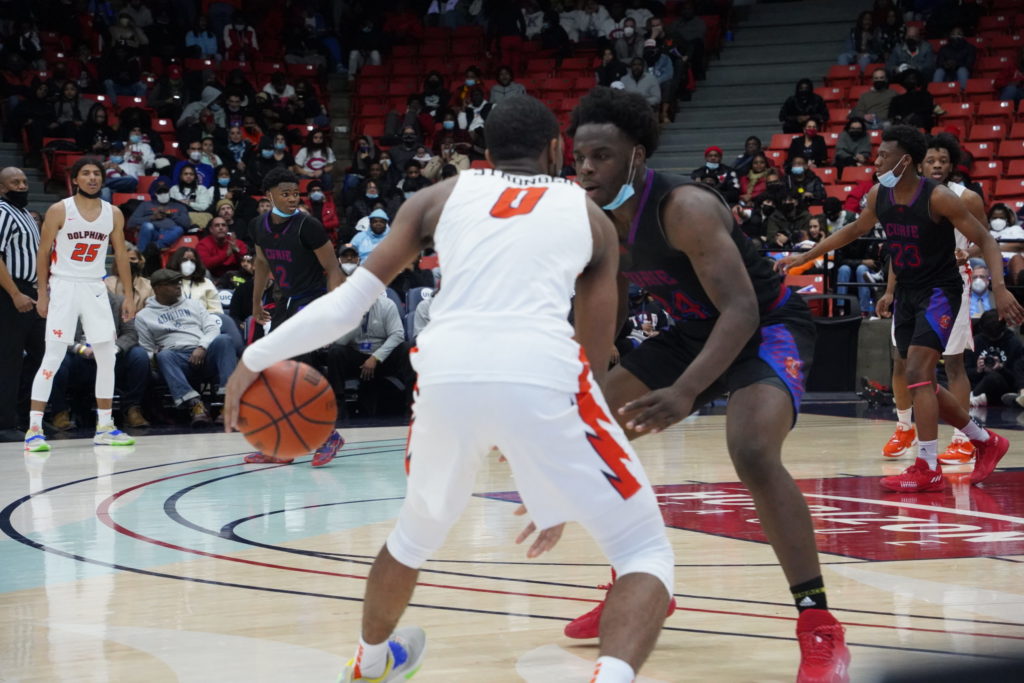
555 152
487 155
639 155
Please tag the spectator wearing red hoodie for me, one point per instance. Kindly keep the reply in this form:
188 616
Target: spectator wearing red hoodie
320 205
221 251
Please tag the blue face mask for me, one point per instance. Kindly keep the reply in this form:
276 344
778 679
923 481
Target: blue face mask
117 159
712 165
278 212
470 82
798 170
890 179
135 139
266 153
448 125
626 192
223 182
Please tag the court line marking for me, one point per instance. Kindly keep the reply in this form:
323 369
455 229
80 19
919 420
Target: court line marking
7 527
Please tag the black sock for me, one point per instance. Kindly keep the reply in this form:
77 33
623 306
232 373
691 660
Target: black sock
810 594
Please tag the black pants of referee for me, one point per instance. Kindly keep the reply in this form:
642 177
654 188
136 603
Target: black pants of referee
21 352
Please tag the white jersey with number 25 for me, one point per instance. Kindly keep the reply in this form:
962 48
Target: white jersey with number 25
80 250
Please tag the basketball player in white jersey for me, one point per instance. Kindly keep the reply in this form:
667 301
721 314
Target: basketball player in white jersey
943 156
499 366
72 265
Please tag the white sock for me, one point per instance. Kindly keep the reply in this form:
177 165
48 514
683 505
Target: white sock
973 432
612 670
904 417
372 659
929 452
104 417
35 419
959 436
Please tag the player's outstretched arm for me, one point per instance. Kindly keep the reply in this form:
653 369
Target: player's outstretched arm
596 304
52 223
339 311
840 238
945 203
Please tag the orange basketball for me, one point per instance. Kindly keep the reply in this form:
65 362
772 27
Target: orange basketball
288 411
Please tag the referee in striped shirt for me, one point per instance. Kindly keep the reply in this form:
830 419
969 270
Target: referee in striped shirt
21 328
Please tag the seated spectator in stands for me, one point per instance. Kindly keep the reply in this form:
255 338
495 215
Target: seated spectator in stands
404 152
995 366
751 148
688 34
116 179
862 261
610 69
890 29
945 16
320 205
413 181
371 353
363 202
718 175
473 79
981 296
193 194
138 154
816 229
141 288
834 215
642 81
435 97
802 182
234 112
447 155
800 108
186 341
956 57
810 145
160 221
200 41
367 240
913 53
475 113
915 107
753 220
240 41
225 208
790 218
239 148
873 105
554 37
194 283
411 278
123 73
170 94
278 88
273 153
95 136
630 42
1010 82
71 112
35 114
1005 228
754 181
659 64
645 318
210 156
220 251
316 159
193 113
194 158
862 47
125 32
854 146
364 155
415 116
238 86
505 87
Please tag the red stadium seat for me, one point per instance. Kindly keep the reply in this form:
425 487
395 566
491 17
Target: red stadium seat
987 169
855 174
1011 149
945 89
960 110
980 150
780 141
1008 189
833 95
191 241
193 64
1017 131
998 23
541 66
987 131
163 126
119 198
840 74
831 138
980 87
838 115
828 174
995 112
854 92
776 157
1015 169
145 181
125 101
990 65
870 69
577 64
1005 42
840 192
303 71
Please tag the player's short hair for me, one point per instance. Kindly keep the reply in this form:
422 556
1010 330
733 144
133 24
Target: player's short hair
277 176
949 143
627 111
910 140
86 161
520 127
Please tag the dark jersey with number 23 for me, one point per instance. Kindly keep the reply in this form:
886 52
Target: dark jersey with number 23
921 249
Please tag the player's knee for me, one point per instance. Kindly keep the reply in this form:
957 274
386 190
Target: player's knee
412 551
754 463
652 555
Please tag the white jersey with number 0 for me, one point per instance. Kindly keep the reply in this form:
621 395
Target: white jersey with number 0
510 249
80 250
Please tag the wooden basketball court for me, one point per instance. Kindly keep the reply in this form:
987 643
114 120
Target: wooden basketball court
173 561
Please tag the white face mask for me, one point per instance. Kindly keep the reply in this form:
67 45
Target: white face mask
978 285
349 268
163 197
890 179
195 156
628 31
997 224
188 268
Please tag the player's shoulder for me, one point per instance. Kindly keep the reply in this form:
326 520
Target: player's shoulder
57 209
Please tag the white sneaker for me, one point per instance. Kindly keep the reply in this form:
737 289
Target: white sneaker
109 435
35 441
406 648
978 401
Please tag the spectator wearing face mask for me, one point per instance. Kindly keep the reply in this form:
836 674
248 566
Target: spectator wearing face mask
802 182
956 58
801 107
854 146
611 69
873 105
406 150
320 205
160 221
718 175
475 113
141 287
915 107
981 295
316 159
273 153
1005 229
809 145
660 66
116 179
789 218
138 154
365 242
447 155
994 367
204 172
194 284
643 82
912 54
348 258
629 43
834 215
190 192
435 97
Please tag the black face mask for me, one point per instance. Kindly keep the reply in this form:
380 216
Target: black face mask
856 134
88 195
912 44
136 269
803 94
17 198
880 85
767 209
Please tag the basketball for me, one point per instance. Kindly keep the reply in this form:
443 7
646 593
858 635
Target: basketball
288 411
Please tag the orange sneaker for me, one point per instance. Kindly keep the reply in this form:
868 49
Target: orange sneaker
959 452
902 441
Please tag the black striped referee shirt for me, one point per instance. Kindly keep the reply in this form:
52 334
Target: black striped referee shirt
19 241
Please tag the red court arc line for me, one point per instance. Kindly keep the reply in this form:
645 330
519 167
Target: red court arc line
103 514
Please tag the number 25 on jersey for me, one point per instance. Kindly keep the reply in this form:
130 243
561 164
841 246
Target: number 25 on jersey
85 253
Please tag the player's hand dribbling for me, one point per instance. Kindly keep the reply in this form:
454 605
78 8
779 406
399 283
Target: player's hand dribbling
1009 310
657 410
239 381
545 541
883 307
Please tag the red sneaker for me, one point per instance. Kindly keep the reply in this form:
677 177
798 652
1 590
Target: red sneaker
989 453
589 624
257 458
326 453
959 452
824 657
900 442
918 478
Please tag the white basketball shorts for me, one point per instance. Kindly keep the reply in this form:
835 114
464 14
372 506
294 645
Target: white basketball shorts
74 300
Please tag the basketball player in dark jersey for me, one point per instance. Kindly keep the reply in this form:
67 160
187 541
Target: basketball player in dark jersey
293 247
919 216
739 331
